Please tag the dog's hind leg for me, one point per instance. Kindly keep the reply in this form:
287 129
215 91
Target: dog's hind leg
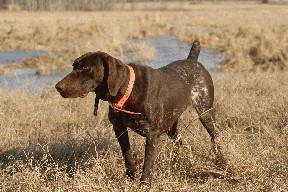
202 100
173 133
206 112
207 118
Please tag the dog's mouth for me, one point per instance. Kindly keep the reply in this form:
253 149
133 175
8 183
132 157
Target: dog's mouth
73 96
83 95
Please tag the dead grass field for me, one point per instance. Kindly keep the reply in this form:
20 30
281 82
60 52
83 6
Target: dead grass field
233 29
45 139
53 144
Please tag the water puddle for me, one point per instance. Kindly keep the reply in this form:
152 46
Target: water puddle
16 57
26 78
168 49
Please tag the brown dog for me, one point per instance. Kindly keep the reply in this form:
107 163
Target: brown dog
160 95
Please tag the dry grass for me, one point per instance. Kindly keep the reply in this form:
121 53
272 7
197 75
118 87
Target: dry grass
50 143
141 52
53 144
232 29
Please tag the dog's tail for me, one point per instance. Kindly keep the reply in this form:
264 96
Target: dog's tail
195 50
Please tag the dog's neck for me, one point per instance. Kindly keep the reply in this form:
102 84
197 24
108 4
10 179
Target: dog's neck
103 92
123 87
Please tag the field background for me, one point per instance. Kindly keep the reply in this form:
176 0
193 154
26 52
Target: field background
53 144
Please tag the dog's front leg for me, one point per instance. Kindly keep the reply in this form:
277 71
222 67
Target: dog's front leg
150 155
123 139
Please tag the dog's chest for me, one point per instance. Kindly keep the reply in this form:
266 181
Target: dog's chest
137 123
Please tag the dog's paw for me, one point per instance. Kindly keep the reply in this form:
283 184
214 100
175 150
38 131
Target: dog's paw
130 174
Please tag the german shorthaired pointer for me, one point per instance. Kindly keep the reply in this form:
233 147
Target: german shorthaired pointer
149 101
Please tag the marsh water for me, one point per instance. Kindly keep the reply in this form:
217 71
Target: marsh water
168 49
26 78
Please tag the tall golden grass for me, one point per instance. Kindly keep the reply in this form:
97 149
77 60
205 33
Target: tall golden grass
50 143
53 144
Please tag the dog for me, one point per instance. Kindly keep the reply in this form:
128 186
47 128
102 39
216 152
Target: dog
148 101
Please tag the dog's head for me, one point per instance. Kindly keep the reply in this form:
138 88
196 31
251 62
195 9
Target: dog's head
92 72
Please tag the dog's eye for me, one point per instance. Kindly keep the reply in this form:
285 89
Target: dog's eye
85 68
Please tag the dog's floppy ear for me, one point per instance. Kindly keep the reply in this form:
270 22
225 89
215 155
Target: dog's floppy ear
116 74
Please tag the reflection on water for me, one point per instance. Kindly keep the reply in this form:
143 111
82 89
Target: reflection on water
168 49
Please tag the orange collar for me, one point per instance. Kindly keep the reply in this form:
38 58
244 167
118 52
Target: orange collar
118 106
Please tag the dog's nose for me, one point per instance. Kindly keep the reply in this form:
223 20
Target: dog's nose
59 87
